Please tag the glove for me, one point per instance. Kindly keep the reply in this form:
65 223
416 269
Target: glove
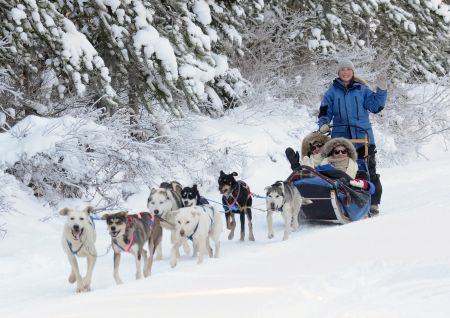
293 158
324 128
381 81
359 183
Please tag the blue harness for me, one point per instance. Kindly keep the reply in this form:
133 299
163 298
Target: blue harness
190 237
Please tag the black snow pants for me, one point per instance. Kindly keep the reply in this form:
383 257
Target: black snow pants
374 177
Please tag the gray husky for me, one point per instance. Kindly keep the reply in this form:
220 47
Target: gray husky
161 203
284 197
129 233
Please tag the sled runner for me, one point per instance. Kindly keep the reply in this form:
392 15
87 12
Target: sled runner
334 201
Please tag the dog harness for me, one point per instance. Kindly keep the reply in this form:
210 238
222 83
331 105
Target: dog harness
234 206
126 249
69 244
190 237
210 215
130 221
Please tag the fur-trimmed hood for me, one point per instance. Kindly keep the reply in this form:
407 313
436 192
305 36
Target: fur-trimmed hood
310 139
326 149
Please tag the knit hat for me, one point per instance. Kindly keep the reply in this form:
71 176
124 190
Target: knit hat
343 63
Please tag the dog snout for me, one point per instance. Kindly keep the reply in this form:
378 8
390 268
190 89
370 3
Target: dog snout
113 228
76 227
156 212
272 206
182 233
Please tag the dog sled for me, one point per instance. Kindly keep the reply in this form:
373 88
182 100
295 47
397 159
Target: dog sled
333 200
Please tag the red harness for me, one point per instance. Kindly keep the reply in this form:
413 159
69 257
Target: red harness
130 221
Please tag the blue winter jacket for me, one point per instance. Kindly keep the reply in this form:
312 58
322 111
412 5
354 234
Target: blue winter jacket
350 105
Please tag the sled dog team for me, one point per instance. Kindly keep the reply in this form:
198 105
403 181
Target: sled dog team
182 211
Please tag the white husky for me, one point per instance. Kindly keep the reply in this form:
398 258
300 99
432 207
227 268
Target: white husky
161 203
199 224
283 196
79 241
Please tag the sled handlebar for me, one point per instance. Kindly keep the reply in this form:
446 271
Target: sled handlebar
364 141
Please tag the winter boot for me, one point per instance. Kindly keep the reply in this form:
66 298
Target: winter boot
374 211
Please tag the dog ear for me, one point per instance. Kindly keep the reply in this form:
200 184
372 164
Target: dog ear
267 189
105 216
194 187
175 212
222 173
123 213
64 211
195 213
89 209
152 191
234 174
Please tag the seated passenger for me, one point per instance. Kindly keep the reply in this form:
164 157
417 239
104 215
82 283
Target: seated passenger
311 146
341 154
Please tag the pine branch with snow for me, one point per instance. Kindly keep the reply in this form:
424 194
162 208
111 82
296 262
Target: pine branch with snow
415 33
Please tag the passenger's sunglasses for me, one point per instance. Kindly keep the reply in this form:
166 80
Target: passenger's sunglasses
343 151
316 146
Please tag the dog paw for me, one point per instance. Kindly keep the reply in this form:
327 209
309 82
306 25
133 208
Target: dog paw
186 249
230 236
173 264
271 236
72 279
87 283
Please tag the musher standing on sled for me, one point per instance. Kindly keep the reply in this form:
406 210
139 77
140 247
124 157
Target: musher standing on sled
348 102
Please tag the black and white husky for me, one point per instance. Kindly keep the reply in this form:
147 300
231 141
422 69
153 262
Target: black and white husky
192 197
161 203
284 197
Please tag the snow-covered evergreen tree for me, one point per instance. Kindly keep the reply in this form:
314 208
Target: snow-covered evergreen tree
157 53
415 33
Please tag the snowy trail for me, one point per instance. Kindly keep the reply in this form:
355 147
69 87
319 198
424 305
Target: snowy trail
395 265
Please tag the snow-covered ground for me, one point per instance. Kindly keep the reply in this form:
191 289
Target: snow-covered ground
395 265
